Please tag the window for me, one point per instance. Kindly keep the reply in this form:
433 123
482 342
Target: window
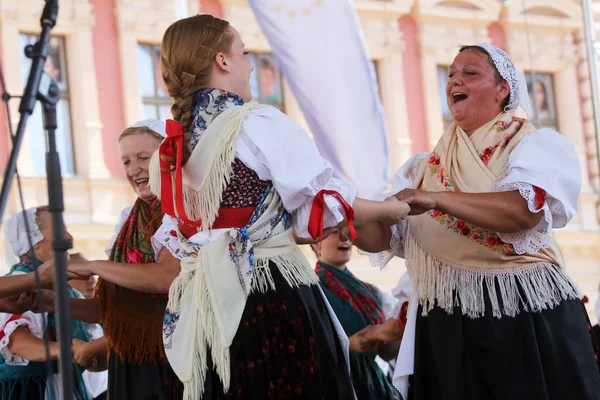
157 103
442 82
265 81
543 90
56 68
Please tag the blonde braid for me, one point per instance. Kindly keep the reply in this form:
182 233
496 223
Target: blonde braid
189 47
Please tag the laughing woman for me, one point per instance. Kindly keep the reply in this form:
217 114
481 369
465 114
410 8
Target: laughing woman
131 294
496 316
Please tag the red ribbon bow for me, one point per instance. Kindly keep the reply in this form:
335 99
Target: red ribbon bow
317 213
173 143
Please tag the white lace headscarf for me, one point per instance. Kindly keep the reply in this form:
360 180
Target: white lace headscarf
16 242
154 124
519 97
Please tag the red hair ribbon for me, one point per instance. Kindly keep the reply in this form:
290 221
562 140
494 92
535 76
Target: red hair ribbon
317 213
173 142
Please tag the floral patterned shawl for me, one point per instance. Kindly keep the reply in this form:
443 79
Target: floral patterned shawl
132 320
450 260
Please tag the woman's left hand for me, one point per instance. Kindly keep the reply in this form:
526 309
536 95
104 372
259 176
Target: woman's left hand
419 201
82 357
17 304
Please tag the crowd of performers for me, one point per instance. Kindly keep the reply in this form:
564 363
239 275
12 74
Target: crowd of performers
206 294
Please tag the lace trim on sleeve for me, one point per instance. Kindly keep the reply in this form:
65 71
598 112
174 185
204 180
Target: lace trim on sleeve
167 236
531 241
381 259
8 329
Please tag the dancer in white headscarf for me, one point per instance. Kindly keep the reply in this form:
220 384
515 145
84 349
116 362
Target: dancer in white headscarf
23 374
494 314
15 244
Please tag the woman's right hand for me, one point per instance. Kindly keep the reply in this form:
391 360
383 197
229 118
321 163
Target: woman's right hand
82 356
81 270
46 273
360 343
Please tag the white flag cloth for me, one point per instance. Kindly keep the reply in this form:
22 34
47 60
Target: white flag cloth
320 48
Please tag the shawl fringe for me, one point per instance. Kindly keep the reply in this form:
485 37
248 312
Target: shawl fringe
204 202
134 336
531 287
8 386
295 269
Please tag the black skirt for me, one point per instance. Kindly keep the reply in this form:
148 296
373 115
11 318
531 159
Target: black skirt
147 381
545 355
286 347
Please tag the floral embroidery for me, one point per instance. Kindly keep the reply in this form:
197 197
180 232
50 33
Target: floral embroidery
245 189
487 153
169 325
240 245
437 168
483 237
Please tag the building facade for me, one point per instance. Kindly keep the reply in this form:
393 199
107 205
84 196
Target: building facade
104 56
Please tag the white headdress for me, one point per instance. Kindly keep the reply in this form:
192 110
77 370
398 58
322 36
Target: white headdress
15 235
516 81
154 124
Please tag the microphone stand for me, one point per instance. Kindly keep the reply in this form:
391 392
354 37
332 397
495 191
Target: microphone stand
43 88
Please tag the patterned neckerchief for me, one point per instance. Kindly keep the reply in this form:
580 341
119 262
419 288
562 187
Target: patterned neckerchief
209 104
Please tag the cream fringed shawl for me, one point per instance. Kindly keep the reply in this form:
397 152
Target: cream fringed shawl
452 262
207 299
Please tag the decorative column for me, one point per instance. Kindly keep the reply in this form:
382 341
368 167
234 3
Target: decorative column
393 95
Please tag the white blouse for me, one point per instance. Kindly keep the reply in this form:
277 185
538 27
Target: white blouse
280 151
544 159
96 382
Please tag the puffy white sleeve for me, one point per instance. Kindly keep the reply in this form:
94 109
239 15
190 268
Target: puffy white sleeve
545 160
10 322
280 151
123 217
403 179
389 304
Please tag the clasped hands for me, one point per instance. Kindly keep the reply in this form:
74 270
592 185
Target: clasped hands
369 338
79 270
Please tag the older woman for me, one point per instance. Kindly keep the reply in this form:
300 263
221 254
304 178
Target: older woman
23 372
131 293
497 316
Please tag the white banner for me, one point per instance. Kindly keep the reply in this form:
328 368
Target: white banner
320 48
